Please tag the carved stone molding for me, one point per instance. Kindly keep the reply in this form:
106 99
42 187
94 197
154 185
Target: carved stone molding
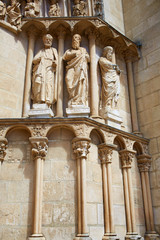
82 130
105 152
81 147
39 147
144 162
126 157
129 143
38 130
3 147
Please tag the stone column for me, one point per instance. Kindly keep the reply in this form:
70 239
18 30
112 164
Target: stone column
3 147
135 127
28 74
93 74
126 161
39 151
144 163
105 155
61 36
81 149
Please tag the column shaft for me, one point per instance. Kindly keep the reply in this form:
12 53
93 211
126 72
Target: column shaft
149 200
79 196
27 85
60 75
37 196
145 200
110 200
83 196
135 127
93 77
131 198
105 199
128 215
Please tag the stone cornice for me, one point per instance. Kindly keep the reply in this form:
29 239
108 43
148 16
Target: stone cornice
53 122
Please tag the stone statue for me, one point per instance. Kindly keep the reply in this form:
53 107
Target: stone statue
77 76
31 10
54 9
44 80
79 8
2 10
110 80
14 13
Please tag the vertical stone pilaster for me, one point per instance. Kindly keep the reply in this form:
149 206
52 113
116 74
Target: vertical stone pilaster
27 86
61 37
135 126
39 151
93 73
126 157
81 149
105 155
144 163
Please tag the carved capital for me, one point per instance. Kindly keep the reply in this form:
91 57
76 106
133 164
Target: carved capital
92 33
3 147
61 32
144 162
126 157
81 147
105 153
39 147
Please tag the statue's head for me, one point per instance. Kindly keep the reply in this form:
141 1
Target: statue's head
76 40
47 40
108 52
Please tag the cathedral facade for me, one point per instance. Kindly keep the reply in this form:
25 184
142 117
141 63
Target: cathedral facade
79 119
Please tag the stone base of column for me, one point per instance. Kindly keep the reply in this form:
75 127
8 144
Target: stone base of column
151 236
132 236
110 236
36 237
78 111
98 118
82 237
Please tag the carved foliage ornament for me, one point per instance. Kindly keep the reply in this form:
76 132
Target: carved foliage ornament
39 147
105 155
81 147
144 162
3 147
126 158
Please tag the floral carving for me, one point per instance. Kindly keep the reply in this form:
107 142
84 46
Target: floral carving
82 130
105 154
129 143
39 147
3 147
81 147
126 158
38 130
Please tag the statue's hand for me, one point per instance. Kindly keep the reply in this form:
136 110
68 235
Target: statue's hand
54 64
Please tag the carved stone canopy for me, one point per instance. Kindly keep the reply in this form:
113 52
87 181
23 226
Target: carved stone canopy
104 33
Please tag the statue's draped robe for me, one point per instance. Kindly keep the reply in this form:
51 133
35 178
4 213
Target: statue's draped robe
44 80
14 14
77 76
110 83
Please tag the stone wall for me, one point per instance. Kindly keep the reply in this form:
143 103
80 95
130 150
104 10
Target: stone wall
13 52
113 14
142 24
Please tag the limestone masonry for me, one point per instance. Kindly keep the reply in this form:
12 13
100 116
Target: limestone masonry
79 119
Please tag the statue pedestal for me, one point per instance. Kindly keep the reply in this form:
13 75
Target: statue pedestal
41 111
78 111
112 118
